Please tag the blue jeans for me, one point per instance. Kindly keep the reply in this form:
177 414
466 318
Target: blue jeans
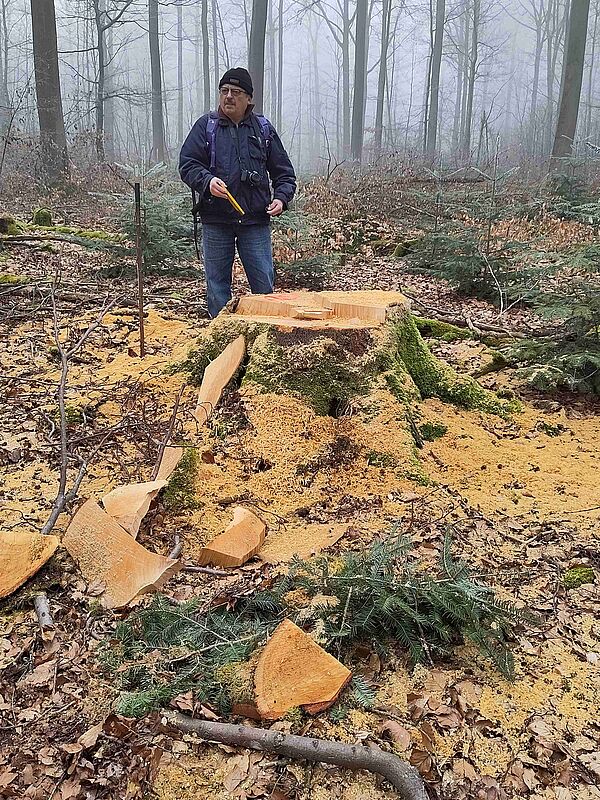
218 248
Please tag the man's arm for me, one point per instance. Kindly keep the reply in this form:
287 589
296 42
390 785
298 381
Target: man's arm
194 158
281 171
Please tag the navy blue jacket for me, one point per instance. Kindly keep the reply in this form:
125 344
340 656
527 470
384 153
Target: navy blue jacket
237 147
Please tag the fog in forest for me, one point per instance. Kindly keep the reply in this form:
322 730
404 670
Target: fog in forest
451 80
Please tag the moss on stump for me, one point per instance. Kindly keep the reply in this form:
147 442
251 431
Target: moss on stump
328 367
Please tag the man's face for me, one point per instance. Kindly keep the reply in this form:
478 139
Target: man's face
233 101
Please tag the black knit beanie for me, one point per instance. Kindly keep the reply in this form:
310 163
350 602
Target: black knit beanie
238 77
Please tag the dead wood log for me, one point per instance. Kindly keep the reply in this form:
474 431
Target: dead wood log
42 611
402 776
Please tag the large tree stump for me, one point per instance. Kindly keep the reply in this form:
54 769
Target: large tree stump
328 347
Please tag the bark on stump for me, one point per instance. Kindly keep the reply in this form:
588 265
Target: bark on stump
328 347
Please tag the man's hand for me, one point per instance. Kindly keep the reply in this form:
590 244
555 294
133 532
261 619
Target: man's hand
218 188
275 208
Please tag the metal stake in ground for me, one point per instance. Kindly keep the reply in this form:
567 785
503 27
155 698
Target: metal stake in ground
139 264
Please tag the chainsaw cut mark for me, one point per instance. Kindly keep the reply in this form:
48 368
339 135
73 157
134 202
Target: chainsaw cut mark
106 554
22 554
294 671
241 540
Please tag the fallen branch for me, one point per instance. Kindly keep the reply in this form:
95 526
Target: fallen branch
466 322
400 774
42 611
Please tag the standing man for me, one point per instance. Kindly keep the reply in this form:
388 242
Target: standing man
234 149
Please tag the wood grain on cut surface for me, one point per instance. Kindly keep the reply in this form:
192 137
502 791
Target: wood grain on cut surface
168 462
107 554
216 377
294 671
129 504
321 309
22 554
240 540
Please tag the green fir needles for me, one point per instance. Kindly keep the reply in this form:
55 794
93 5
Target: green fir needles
380 597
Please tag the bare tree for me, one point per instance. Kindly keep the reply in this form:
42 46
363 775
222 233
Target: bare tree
570 90
360 77
179 72
256 55
434 83
47 84
159 148
386 16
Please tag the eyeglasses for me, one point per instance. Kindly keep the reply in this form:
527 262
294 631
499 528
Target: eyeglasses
225 90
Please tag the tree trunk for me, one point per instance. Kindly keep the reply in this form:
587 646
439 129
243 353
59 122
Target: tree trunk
100 23
472 74
434 92
570 90
109 99
279 66
205 56
159 149
382 77
272 96
179 73
588 107
4 103
360 74
213 16
47 84
256 56
346 77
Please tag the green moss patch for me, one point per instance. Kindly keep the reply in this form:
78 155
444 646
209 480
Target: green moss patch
180 492
578 576
430 431
444 331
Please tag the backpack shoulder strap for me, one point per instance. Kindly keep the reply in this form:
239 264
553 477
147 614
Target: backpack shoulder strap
265 131
211 137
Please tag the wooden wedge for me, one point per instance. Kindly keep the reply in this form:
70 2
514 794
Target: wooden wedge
216 377
128 505
109 555
293 671
22 554
241 540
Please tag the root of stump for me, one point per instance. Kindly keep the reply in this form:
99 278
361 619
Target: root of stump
401 775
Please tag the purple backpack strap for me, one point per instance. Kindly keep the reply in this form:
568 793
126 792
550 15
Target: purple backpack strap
211 138
265 129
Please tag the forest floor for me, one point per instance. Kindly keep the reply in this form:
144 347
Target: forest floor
518 495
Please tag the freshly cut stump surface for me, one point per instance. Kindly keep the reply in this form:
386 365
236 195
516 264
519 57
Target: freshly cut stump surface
293 671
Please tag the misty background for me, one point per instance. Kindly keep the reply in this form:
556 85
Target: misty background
342 80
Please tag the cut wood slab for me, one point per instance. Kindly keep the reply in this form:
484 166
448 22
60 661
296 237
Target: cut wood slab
216 377
293 671
22 554
321 309
128 505
168 463
241 540
108 555
301 540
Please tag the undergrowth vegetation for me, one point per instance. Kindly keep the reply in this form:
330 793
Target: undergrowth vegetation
381 597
